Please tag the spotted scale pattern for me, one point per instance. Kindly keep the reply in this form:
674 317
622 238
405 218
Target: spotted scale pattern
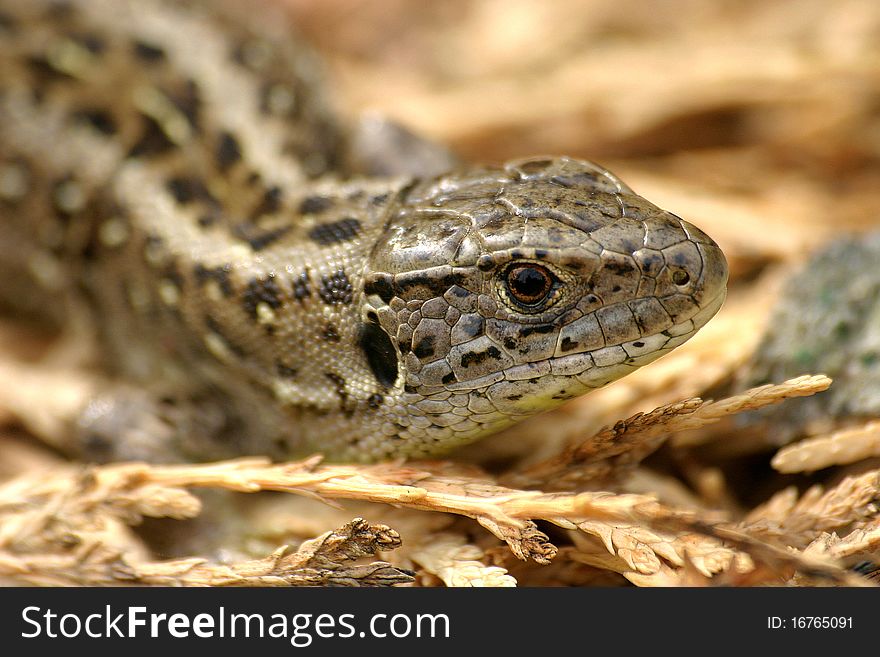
172 168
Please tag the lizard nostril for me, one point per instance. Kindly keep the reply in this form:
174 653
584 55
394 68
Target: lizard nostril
680 277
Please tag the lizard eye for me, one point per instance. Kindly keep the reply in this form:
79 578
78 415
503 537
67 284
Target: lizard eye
529 284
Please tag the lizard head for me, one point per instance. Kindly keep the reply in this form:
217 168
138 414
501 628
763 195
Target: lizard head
506 291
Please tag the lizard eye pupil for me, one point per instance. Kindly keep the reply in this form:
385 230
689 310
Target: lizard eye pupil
529 284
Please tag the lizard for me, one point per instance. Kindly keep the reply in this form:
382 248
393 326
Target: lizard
177 169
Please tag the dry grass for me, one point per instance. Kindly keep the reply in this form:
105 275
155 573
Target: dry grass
756 121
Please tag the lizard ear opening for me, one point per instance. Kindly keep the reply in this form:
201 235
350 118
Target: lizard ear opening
380 352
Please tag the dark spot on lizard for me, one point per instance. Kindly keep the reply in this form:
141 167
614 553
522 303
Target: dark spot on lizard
237 54
536 328
171 274
147 52
639 344
228 151
315 205
207 220
339 385
470 326
187 189
335 232
270 203
449 378
434 286
44 71
476 357
336 289
286 371
219 274
259 239
152 141
153 243
98 119
261 290
188 102
459 292
424 348
620 268
375 401
382 286
380 353
568 344
302 286
330 334
91 42
7 23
